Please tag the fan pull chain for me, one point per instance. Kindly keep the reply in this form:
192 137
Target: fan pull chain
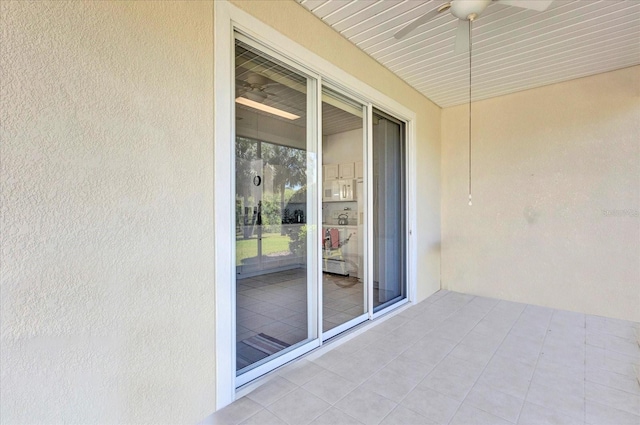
470 49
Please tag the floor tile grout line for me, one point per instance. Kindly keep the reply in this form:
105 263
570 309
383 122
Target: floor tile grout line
358 385
599 368
535 367
398 355
448 353
492 356
436 365
279 398
612 351
605 333
615 408
305 390
585 381
609 386
485 366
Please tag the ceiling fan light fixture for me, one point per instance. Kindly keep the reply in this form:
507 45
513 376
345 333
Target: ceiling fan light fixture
468 9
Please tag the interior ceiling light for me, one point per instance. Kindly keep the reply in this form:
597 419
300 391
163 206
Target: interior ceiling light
266 108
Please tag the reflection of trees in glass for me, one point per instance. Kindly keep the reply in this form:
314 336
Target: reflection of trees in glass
246 153
286 168
298 244
289 166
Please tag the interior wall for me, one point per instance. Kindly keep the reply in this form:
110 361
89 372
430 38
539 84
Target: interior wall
258 126
556 196
343 147
107 205
300 25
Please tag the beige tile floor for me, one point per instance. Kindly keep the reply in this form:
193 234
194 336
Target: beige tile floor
459 359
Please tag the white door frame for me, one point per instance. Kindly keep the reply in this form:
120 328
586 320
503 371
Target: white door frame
313 149
227 18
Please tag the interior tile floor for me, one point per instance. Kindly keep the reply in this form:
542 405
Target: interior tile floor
275 304
342 299
460 359
270 300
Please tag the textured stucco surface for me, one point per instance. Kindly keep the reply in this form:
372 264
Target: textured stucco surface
107 203
556 188
300 25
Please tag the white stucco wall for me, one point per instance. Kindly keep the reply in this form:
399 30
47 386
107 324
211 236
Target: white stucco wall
556 196
106 176
107 203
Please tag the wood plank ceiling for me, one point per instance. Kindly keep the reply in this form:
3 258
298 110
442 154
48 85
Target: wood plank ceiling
513 49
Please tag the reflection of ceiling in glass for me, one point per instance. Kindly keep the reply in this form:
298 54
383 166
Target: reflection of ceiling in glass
339 112
265 81
335 120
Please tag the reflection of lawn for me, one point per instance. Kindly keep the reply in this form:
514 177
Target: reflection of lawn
271 243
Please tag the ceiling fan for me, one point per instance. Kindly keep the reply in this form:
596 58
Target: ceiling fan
254 87
252 92
467 11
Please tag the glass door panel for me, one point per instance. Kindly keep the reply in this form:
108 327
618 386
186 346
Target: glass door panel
389 212
343 212
247 198
275 187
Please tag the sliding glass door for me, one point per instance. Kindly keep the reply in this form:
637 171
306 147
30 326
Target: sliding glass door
344 289
313 257
276 203
389 211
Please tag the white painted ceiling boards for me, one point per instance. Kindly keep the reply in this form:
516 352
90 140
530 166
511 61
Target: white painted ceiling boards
513 49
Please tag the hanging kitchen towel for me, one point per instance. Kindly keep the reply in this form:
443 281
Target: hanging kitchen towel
335 238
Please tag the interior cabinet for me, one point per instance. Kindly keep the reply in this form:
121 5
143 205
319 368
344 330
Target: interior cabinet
339 171
347 171
330 172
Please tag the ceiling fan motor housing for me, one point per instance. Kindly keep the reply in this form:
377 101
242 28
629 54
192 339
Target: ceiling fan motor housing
255 95
468 10
257 80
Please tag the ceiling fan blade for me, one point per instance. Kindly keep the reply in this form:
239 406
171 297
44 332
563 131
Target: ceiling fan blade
462 36
415 24
538 5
